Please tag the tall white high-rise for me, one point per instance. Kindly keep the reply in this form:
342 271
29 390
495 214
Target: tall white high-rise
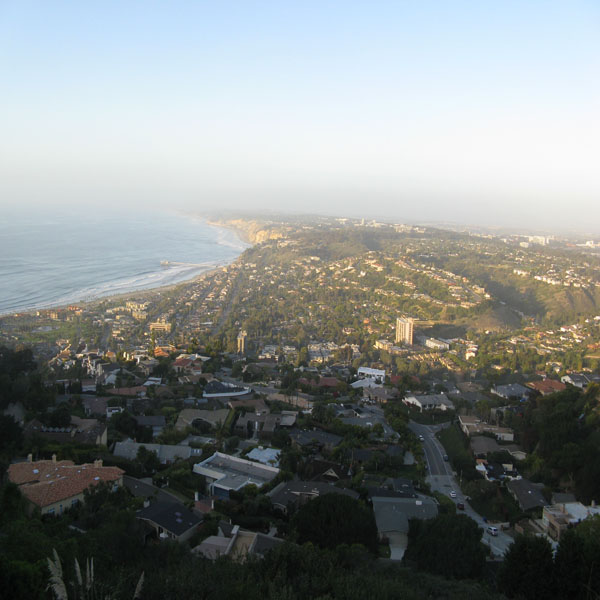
404 330
241 342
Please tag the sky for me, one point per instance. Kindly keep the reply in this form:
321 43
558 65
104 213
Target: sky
416 111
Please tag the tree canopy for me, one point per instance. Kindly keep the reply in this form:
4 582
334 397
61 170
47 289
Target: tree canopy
449 545
334 519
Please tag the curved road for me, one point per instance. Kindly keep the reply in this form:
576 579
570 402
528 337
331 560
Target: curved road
442 479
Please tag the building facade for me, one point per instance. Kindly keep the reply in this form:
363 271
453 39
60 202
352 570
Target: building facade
404 330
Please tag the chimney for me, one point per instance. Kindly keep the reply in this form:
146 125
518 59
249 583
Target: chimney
54 458
98 463
30 458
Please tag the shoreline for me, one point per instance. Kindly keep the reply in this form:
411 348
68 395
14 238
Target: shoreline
242 234
140 293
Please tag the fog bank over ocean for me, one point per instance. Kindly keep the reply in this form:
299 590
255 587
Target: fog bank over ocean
55 256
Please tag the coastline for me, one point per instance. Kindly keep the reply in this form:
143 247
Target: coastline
148 292
242 234
142 293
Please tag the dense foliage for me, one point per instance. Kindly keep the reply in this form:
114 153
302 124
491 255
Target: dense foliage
333 519
449 545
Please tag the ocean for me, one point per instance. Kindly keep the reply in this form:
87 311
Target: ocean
58 256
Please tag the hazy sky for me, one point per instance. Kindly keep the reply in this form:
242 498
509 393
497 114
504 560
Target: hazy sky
476 112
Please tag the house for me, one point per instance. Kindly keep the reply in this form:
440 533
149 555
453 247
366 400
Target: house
363 384
189 416
80 431
136 391
170 521
324 470
377 375
580 380
511 391
224 473
472 426
482 445
236 543
88 386
527 494
546 386
263 424
429 402
393 513
94 407
266 456
379 395
166 453
114 374
54 486
156 423
315 438
113 410
183 365
557 518
219 389
392 516
295 493
146 366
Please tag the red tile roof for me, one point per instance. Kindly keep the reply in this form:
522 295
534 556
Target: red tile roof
547 386
183 362
45 482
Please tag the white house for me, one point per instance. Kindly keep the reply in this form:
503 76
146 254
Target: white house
377 375
430 402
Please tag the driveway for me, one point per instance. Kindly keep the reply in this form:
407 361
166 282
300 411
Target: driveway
398 544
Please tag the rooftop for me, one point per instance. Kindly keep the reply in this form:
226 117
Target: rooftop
231 472
45 482
175 518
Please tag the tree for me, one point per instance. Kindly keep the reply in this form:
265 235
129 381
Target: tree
335 519
449 545
148 460
570 567
61 417
577 559
11 434
528 569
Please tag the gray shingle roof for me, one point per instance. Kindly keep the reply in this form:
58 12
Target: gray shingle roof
393 514
175 518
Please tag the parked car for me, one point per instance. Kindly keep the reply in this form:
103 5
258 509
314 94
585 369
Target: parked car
452 494
492 530
460 506
446 457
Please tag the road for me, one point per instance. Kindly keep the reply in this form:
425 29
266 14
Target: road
442 479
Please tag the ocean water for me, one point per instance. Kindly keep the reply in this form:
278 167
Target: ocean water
57 256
